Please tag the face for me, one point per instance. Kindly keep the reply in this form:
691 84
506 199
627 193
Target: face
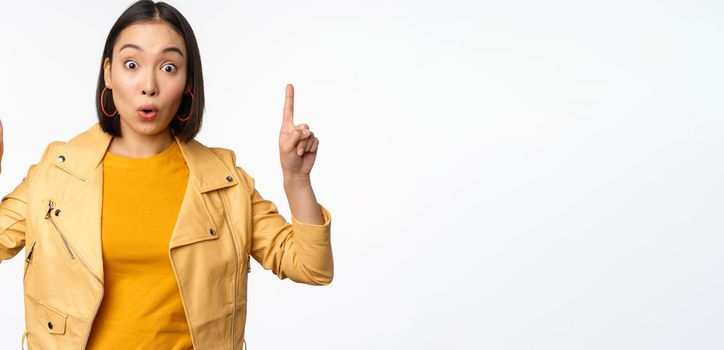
148 70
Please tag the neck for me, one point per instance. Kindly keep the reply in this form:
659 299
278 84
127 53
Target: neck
135 145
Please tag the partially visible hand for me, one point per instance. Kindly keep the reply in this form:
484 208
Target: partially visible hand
1 146
297 144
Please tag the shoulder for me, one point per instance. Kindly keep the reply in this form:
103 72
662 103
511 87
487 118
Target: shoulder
228 157
50 150
225 155
48 153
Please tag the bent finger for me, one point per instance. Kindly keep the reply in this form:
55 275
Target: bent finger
315 146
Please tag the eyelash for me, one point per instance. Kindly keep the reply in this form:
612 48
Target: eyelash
168 64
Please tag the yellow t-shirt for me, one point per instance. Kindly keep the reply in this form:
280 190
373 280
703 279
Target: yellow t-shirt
141 307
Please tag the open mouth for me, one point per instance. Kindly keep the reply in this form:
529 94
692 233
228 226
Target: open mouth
147 112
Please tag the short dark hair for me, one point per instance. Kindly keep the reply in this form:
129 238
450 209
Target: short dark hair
148 11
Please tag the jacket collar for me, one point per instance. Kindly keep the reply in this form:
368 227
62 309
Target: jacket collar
82 154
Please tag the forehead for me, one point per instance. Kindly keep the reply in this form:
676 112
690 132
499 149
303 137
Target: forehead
151 37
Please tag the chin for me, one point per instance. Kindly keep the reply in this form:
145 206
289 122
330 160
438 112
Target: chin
147 128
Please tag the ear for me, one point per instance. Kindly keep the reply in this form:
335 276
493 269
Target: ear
107 73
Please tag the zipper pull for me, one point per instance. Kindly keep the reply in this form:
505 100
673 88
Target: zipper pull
248 262
51 205
30 255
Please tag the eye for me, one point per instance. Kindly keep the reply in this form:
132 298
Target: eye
130 64
169 68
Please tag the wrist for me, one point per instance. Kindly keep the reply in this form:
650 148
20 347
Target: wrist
293 181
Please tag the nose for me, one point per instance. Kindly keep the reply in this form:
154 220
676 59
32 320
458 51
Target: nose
150 88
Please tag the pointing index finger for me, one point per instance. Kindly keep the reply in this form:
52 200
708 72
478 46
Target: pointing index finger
289 105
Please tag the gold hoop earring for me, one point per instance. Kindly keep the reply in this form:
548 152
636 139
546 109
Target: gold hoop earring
191 109
103 109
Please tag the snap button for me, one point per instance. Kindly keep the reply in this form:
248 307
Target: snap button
55 319
212 231
57 212
61 159
229 178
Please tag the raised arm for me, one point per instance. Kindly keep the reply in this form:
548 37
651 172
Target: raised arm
301 250
12 221
297 153
12 215
13 209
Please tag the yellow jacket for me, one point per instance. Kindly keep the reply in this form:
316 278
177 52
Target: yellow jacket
55 213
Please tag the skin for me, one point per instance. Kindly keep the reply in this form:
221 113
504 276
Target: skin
146 75
1 145
151 75
297 152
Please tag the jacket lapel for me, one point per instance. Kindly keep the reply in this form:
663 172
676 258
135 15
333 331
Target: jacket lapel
81 197
197 217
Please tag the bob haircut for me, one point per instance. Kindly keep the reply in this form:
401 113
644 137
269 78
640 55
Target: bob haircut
144 11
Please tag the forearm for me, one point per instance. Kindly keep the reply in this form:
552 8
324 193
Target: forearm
302 201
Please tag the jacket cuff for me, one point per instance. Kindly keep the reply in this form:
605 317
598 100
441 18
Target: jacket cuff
314 229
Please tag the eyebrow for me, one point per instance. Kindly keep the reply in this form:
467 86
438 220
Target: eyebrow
168 49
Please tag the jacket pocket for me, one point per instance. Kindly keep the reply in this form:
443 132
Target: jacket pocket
29 259
52 319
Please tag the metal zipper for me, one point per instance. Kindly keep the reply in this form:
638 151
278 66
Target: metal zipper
236 270
51 206
28 259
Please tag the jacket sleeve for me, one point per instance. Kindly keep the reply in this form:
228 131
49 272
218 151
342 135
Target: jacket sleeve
13 208
299 251
12 221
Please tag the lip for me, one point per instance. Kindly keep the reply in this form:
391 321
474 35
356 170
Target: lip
149 107
148 116
147 112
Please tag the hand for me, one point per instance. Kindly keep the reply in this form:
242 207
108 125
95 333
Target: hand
1 146
297 144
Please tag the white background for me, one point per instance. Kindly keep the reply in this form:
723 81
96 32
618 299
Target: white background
501 174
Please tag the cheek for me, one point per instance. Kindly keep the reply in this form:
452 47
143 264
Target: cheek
123 87
177 83
176 88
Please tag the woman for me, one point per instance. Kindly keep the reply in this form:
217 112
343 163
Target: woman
137 234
